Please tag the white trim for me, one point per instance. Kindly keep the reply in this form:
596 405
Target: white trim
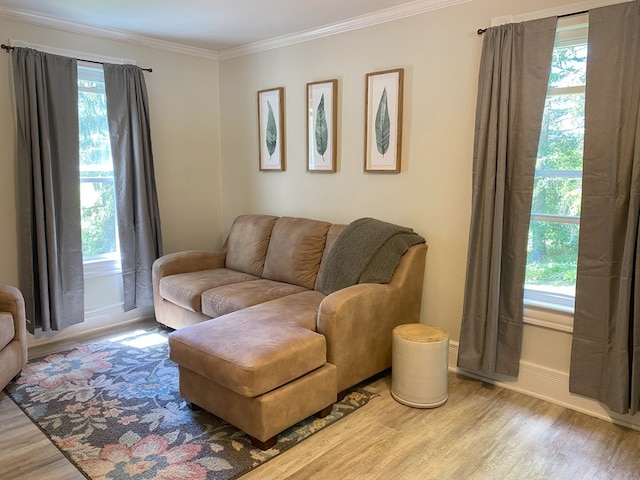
548 317
97 320
100 313
549 385
102 267
554 11
65 26
387 15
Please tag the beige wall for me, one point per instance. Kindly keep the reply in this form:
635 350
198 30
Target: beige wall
207 168
440 53
183 97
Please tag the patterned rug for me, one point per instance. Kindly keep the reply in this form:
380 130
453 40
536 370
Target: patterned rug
113 408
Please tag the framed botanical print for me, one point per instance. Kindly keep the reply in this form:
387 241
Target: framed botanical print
383 122
271 129
322 116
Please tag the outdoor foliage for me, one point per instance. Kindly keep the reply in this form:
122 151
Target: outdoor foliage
553 245
98 209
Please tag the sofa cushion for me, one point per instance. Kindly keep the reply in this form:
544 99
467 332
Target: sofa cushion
299 309
247 243
185 289
229 298
295 251
7 329
247 356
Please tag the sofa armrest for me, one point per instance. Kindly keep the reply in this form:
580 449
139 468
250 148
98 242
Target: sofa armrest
187 261
358 321
12 301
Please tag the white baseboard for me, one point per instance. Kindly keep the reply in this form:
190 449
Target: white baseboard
549 385
97 321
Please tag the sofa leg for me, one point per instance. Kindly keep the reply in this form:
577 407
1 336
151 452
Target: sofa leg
193 407
266 445
324 412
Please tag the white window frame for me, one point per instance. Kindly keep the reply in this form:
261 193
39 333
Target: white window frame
546 309
109 263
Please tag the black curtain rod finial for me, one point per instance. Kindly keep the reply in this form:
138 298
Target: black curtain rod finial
481 31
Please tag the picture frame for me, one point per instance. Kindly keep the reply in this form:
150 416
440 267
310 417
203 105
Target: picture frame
383 121
271 133
322 126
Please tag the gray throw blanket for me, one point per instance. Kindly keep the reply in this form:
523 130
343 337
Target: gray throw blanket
367 251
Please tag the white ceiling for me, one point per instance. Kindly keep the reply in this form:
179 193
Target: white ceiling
209 24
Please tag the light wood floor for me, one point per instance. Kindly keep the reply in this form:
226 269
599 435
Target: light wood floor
482 432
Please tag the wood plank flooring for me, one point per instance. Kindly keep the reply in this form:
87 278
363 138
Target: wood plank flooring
482 432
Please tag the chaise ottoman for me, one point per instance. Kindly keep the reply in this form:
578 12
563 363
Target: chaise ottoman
261 377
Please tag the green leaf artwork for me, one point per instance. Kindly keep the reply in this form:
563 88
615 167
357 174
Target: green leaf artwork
322 132
272 131
383 125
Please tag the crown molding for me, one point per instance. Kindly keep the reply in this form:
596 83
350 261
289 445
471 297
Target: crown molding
63 25
387 15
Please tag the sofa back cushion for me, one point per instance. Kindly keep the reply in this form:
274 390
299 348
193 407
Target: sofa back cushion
295 251
334 230
247 243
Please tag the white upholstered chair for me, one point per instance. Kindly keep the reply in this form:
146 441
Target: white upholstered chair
13 334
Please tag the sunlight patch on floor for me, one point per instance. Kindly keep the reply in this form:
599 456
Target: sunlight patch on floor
140 339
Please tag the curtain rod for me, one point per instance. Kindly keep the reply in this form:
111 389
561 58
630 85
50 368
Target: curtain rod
480 31
9 48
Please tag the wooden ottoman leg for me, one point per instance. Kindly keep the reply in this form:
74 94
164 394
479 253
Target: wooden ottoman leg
324 412
266 445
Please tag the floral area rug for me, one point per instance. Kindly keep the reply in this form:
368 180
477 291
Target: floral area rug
113 408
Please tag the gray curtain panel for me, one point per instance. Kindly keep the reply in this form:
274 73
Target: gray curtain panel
51 269
136 196
605 357
514 73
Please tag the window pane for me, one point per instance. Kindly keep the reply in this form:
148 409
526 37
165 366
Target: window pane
557 190
568 66
95 149
552 256
557 196
562 134
98 214
97 192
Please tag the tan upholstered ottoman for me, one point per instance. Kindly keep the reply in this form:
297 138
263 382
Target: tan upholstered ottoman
260 377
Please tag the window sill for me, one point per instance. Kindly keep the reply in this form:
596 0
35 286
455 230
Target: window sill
102 267
553 317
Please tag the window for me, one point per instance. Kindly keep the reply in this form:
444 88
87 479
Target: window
555 211
100 247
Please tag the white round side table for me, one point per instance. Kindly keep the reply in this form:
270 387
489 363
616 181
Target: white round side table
420 360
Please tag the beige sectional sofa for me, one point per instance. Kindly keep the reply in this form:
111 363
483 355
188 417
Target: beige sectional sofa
262 339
